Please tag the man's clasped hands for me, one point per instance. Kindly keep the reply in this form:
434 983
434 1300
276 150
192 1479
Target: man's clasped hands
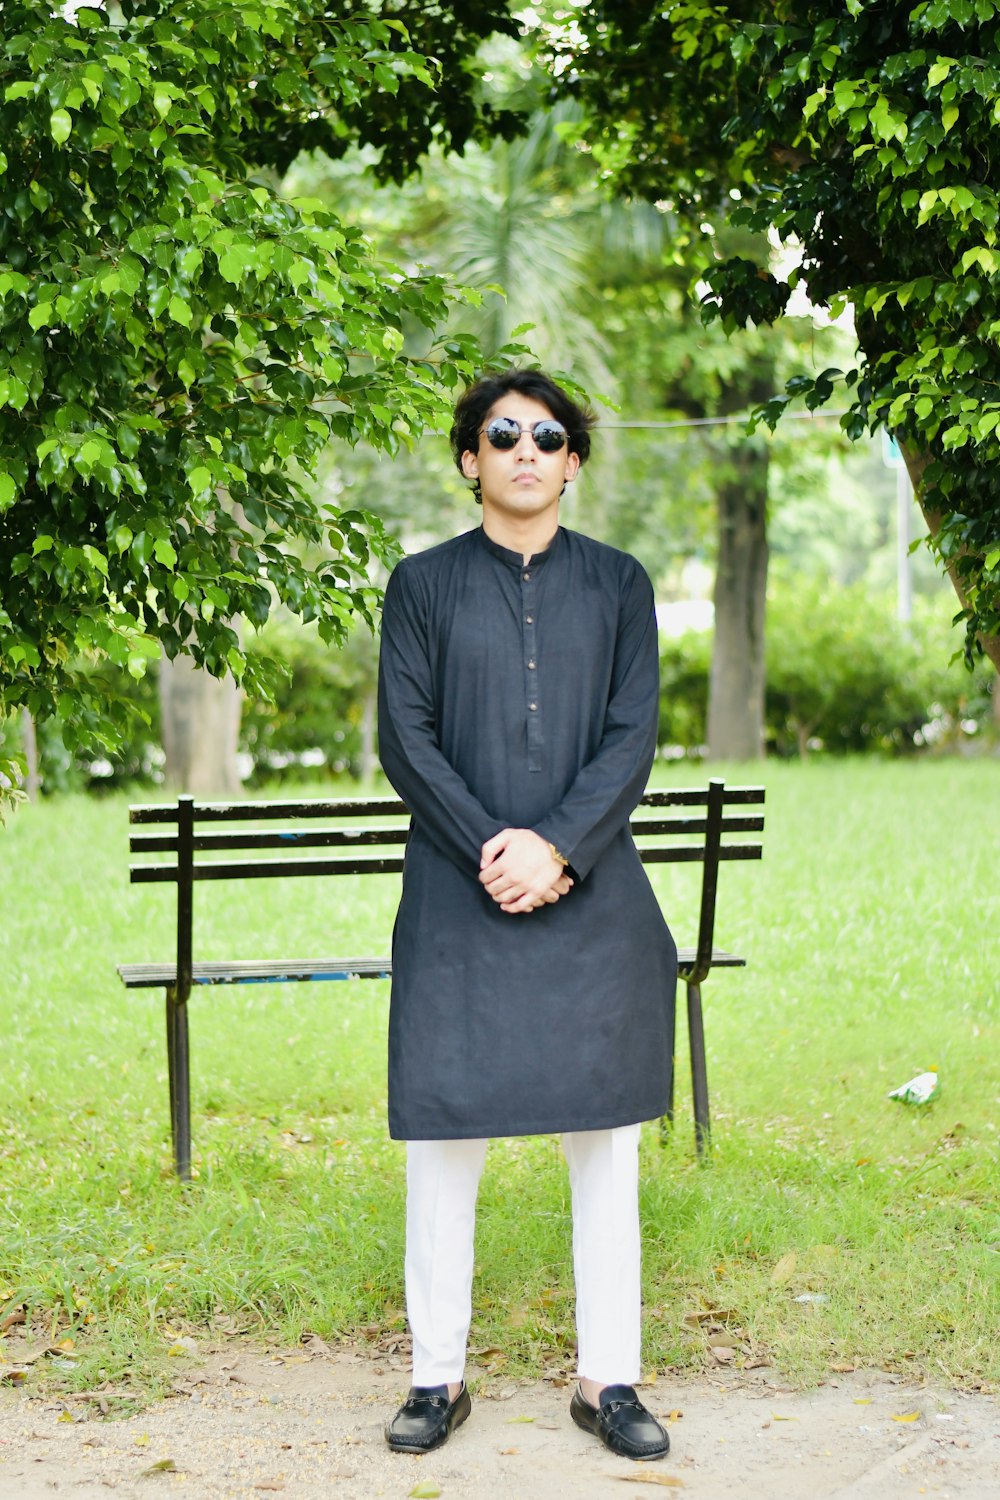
520 872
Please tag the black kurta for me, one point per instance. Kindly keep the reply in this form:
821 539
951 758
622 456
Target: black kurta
525 696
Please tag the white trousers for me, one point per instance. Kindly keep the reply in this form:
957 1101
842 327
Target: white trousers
442 1181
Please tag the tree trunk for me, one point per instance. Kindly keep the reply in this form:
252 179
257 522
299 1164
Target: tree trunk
368 756
32 780
200 717
736 684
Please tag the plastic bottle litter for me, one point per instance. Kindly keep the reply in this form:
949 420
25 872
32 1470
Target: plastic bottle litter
919 1090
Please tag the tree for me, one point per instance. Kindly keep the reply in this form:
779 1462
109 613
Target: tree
864 135
178 343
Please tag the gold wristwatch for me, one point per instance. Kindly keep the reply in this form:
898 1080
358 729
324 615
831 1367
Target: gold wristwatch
560 858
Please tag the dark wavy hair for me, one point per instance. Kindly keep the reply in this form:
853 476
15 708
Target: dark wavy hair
473 404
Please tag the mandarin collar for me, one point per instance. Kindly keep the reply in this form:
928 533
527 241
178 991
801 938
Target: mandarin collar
516 559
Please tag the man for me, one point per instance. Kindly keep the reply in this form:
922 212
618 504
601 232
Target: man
533 974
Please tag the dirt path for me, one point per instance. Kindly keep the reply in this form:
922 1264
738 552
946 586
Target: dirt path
308 1424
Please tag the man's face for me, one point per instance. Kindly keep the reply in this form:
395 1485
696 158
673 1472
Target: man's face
520 482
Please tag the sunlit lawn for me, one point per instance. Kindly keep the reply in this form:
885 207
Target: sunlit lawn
833 1226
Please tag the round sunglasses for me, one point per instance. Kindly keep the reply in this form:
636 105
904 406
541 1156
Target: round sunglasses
504 433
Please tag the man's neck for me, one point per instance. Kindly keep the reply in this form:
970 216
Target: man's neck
532 535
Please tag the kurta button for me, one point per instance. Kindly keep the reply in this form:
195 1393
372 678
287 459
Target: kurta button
526 577
532 706
531 666
529 619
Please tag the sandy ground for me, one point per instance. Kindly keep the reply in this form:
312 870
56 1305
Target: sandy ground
308 1423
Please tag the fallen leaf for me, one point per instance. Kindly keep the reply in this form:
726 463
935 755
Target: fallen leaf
506 1452
164 1466
675 1415
785 1269
519 1419
723 1353
862 1401
668 1481
270 1484
844 1369
315 1344
426 1491
12 1318
777 1417
13 1377
908 1416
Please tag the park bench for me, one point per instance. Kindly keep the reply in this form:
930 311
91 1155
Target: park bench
189 831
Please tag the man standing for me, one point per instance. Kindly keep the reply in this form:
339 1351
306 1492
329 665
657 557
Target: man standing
533 974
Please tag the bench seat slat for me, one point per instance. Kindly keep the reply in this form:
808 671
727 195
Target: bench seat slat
295 970
257 971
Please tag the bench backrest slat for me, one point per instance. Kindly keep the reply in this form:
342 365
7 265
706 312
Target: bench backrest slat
269 868
246 812
345 838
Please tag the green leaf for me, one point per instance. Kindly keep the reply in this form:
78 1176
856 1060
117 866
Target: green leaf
991 560
164 553
8 491
60 125
130 274
42 544
96 559
180 311
123 538
200 480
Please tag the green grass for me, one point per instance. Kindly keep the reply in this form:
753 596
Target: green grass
870 928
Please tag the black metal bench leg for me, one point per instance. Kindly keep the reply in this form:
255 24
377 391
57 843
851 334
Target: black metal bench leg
668 1119
699 1074
179 1081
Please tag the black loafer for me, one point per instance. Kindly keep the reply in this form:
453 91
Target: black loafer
622 1423
427 1418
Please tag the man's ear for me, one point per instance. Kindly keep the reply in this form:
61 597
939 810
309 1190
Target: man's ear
572 467
470 464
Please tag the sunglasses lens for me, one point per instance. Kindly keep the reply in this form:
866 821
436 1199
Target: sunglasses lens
549 436
503 433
